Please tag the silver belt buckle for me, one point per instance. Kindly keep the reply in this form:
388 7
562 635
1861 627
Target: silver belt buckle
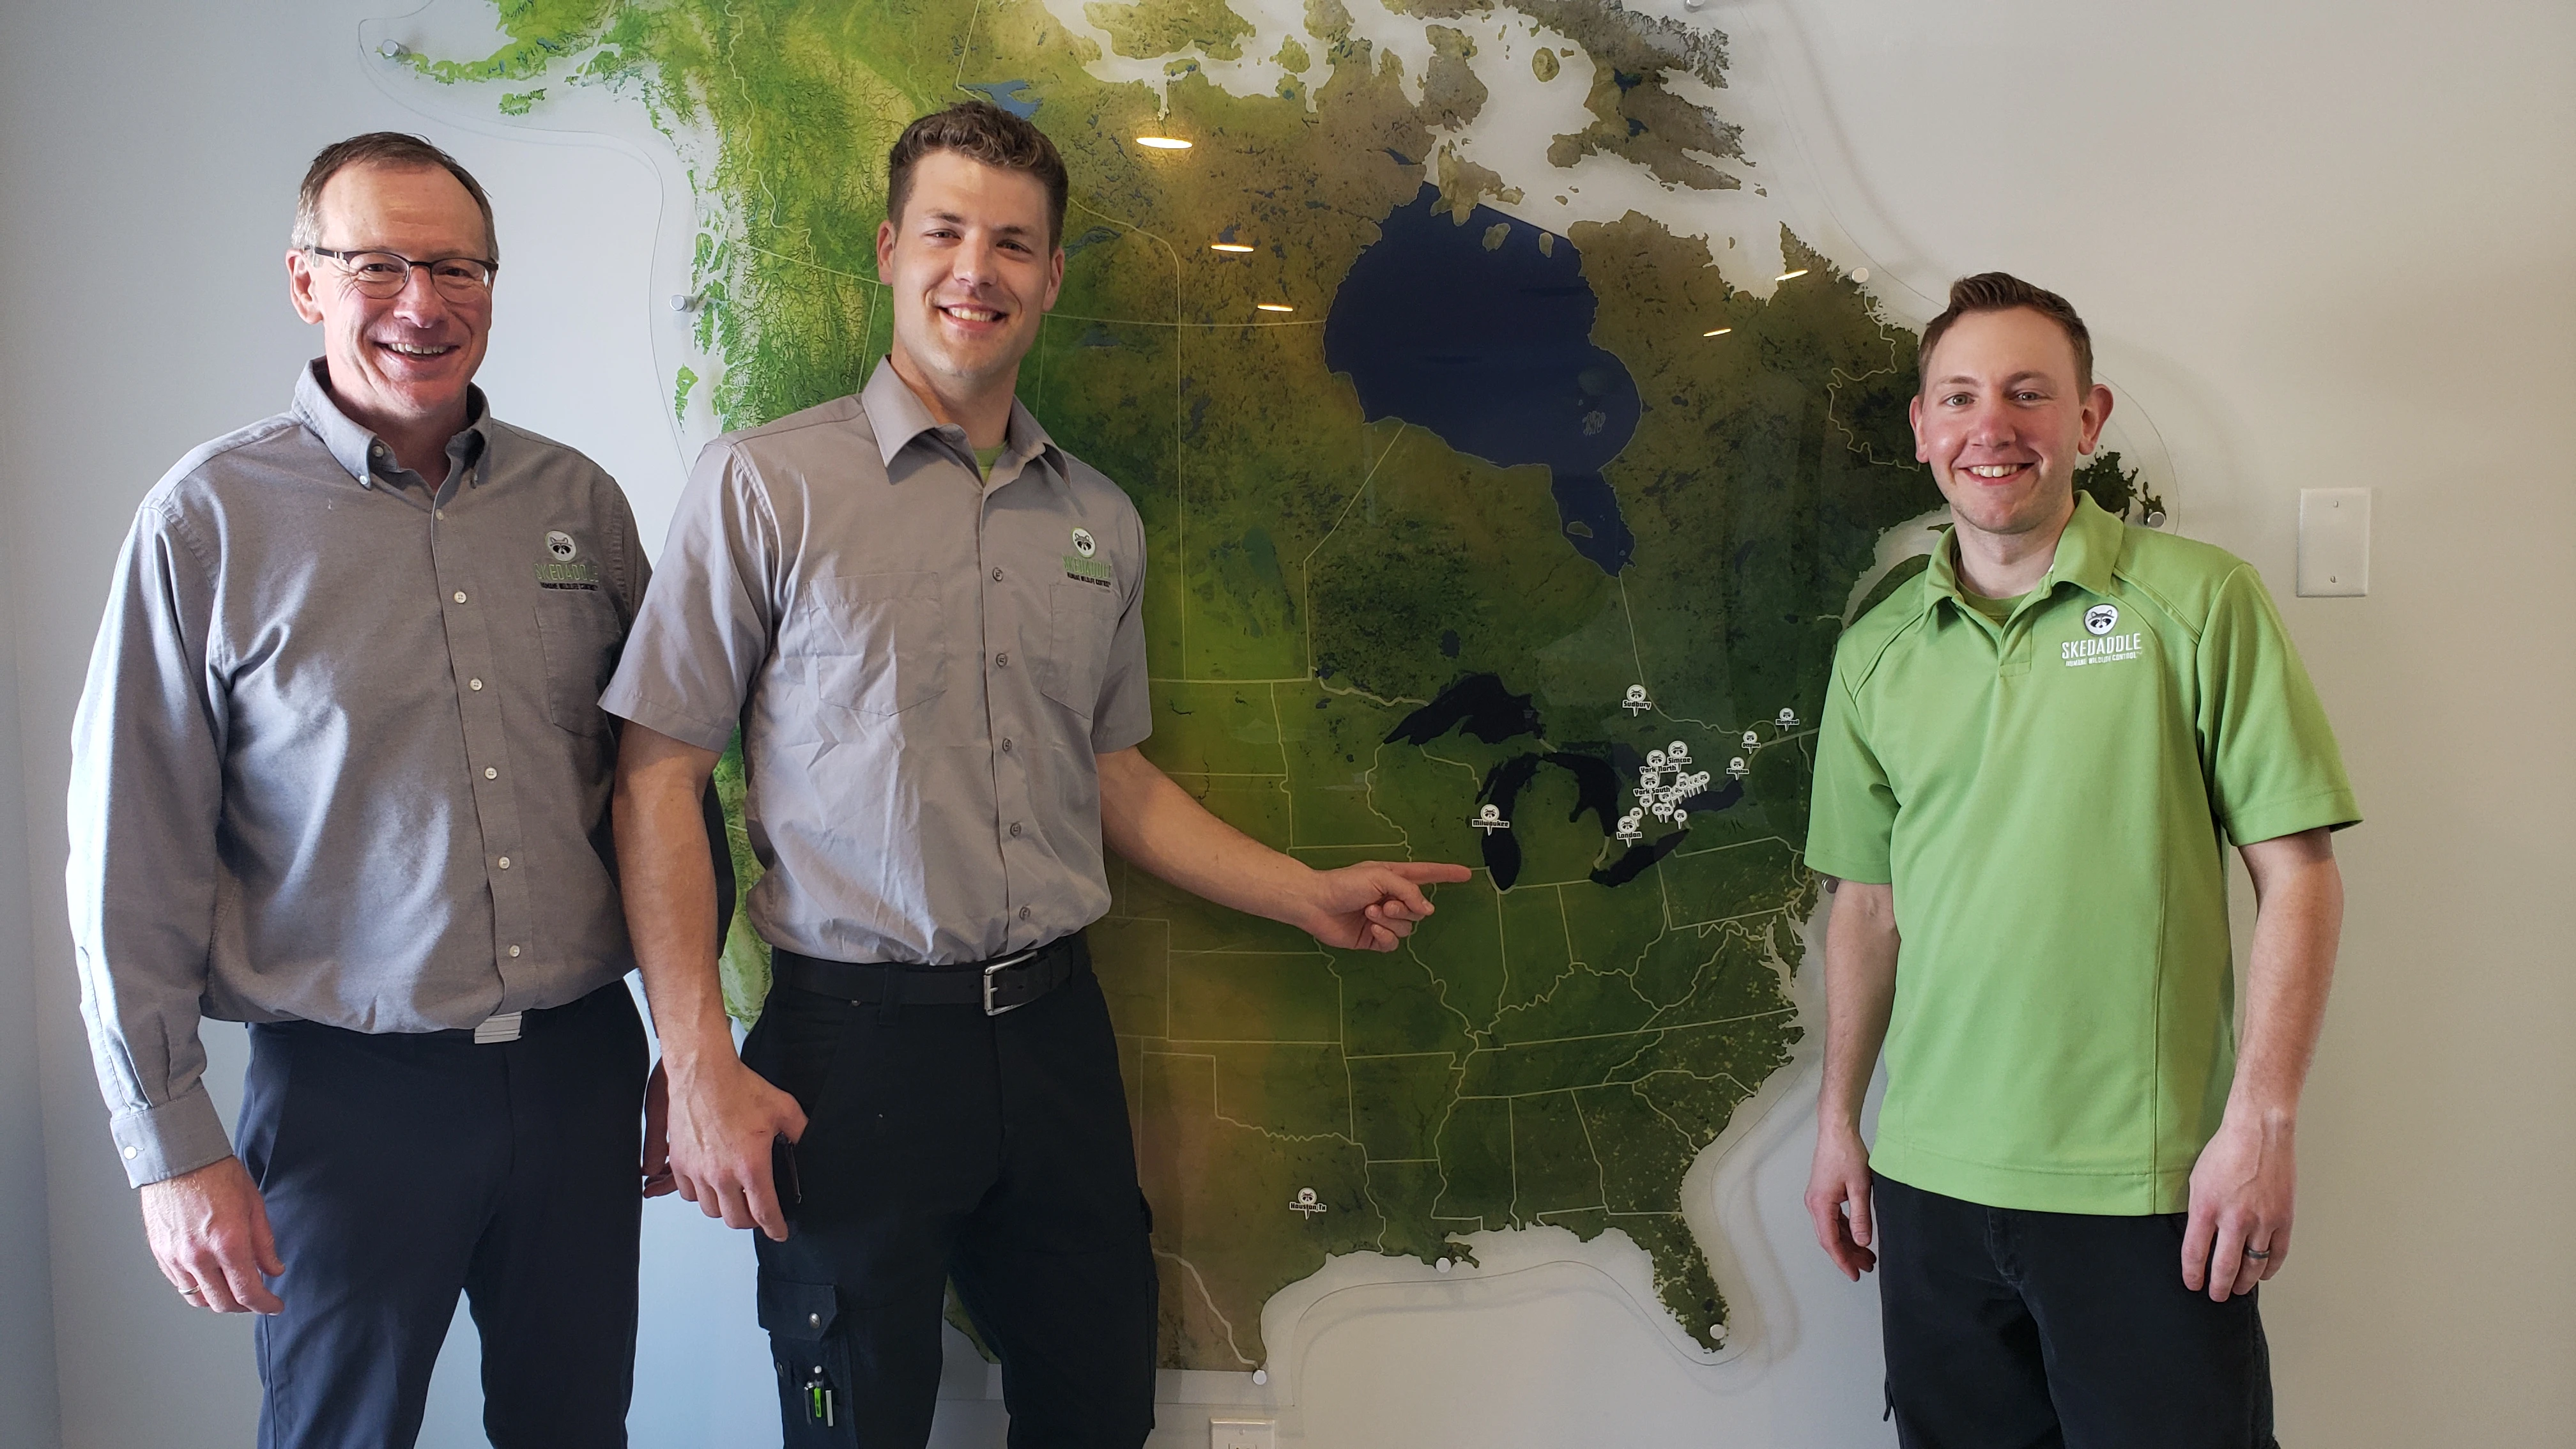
1003 965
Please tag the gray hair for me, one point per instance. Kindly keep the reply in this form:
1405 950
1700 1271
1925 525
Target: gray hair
382 148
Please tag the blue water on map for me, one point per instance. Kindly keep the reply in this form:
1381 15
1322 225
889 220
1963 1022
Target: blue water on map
1011 95
1492 350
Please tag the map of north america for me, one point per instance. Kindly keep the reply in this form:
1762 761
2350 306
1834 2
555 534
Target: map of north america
1470 539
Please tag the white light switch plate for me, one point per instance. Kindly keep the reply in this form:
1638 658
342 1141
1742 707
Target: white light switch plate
2334 543
1243 1434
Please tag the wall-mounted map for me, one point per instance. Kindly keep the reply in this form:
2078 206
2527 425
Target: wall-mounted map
1475 534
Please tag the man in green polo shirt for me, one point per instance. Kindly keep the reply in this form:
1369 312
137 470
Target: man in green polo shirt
2030 765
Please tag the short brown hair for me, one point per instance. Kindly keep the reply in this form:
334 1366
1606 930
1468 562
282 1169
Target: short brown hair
383 148
2001 292
979 131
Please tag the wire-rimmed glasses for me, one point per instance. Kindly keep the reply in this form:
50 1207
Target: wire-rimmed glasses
384 274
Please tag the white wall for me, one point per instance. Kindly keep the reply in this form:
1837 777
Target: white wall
2320 244
28 1411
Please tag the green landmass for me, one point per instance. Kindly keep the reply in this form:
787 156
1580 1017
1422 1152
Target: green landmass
1554 1053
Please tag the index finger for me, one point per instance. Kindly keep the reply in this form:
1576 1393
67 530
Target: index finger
1430 872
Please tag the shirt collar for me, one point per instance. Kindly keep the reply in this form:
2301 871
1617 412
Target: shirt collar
898 419
2086 553
360 451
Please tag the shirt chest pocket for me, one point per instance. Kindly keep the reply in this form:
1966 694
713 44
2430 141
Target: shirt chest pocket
1082 619
871 643
579 634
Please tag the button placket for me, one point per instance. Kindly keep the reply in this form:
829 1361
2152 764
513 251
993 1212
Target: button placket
474 660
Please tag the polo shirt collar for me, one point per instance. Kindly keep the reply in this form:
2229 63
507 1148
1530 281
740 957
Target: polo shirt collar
2086 553
357 450
898 419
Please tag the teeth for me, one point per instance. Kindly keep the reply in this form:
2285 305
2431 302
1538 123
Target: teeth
407 350
1995 470
973 314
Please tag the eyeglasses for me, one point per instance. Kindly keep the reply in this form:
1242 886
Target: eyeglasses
385 274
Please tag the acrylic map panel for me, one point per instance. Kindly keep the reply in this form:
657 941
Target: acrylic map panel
1494 516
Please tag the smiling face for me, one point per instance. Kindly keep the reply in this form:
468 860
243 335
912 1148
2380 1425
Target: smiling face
2004 420
397 363
971 270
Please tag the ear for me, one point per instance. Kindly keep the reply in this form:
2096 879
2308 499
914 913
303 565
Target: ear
885 247
2097 411
300 282
1914 420
1055 280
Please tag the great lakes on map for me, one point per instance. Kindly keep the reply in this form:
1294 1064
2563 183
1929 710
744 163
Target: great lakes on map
1452 519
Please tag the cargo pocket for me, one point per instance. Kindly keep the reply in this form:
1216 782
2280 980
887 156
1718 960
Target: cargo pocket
807 1347
870 644
1082 620
579 635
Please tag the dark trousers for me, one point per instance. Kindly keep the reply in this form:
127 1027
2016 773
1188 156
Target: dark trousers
400 1170
943 1144
2029 1330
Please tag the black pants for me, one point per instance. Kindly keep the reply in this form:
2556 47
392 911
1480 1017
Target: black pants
2028 1330
399 1170
942 1143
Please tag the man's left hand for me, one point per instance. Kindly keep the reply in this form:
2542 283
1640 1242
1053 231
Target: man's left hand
1374 905
2239 1232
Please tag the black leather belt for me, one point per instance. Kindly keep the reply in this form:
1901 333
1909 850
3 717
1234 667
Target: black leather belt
1003 984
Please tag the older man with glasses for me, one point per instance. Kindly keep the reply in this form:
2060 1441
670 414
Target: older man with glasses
340 772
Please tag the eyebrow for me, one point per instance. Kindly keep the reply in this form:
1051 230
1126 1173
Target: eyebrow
2026 375
1008 228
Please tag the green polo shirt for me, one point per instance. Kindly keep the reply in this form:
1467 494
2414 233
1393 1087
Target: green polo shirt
2051 797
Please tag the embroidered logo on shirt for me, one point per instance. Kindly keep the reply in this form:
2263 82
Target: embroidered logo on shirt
2108 649
2102 618
1082 543
1089 571
564 568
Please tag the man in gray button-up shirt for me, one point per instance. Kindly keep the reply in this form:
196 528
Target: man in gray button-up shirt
927 619
340 772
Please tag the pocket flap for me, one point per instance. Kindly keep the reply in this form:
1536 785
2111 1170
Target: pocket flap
797 1310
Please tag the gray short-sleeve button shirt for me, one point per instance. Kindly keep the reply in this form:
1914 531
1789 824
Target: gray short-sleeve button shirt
846 586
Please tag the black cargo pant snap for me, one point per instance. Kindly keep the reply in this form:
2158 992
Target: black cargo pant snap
401 1170
2009 1329
942 1143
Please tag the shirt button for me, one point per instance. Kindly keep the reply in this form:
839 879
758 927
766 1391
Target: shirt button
475 684
1006 747
1024 913
438 513
491 774
132 1153
997 576
1002 661
505 862
1015 830
514 953
460 596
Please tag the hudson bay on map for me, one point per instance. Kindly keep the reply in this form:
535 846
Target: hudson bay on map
1474 535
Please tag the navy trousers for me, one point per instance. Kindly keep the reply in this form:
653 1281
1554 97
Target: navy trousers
2009 1329
402 1170
941 1144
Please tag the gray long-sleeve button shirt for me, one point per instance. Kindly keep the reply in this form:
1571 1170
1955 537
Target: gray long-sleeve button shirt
924 661
340 757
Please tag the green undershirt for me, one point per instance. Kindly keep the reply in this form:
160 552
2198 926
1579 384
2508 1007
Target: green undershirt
984 458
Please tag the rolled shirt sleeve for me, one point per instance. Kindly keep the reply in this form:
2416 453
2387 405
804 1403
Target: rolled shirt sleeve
707 623
2266 749
1124 717
146 794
